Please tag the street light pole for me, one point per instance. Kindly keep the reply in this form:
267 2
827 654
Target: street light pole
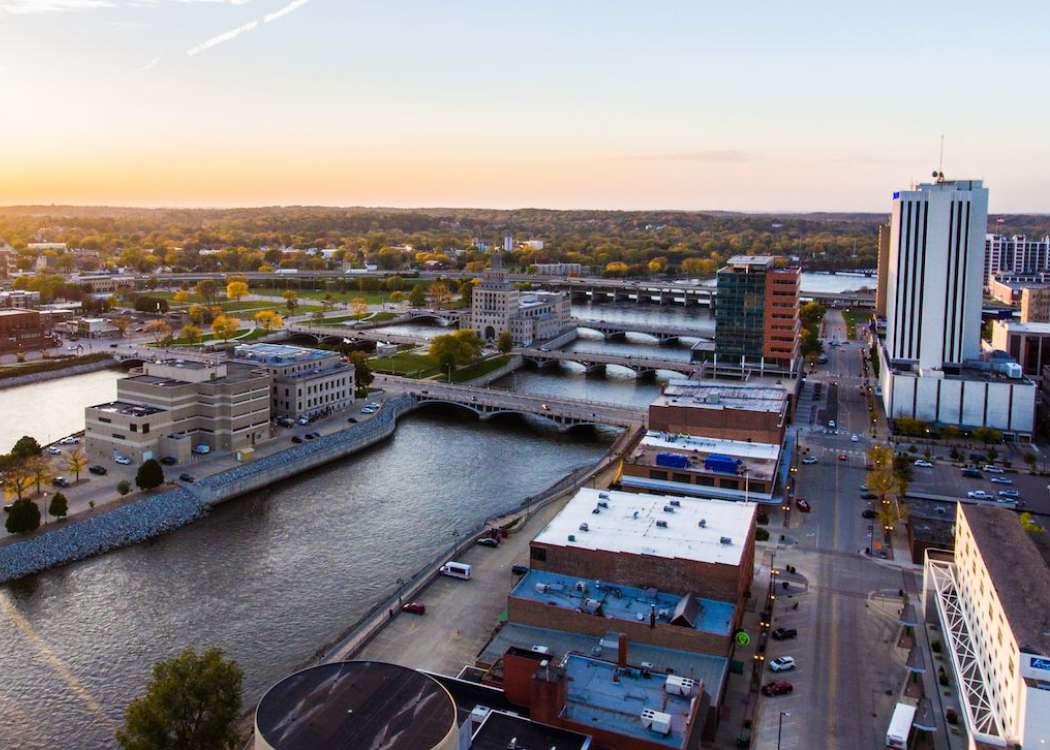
780 726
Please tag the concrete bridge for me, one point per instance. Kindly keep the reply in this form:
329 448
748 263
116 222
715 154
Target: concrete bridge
322 332
447 318
487 403
598 361
665 334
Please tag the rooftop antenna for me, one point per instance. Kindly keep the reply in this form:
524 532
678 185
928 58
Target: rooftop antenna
939 173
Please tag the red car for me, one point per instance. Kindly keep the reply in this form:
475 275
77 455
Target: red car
414 608
802 504
843 457
777 687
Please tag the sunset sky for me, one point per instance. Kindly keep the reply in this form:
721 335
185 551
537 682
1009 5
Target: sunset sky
567 104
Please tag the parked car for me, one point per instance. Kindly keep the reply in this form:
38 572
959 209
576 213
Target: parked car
519 570
309 436
60 482
487 541
868 496
187 478
867 513
368 410
169 460
98 469
803 505
122 460
783 634
1000 480
54 450
777 687
979 495
782 664
414 608
843 457
831 424
1009 493
994 469
972 472
854 439
71 440
352 420
809 460
303 420
922 463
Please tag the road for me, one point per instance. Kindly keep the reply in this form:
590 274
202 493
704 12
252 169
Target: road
847 601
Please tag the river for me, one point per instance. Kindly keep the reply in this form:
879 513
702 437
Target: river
52 409
269 578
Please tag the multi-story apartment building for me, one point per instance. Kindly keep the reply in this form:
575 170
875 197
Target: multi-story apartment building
1035 304
757 316
930 360
175 407
991 598
22 330
306 382
1016 254
558 269
498 306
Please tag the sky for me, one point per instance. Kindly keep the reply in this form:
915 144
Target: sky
763 106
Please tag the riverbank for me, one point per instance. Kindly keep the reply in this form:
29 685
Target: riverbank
161 513
53 369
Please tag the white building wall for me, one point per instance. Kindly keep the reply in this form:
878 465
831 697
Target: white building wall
973 402
951 402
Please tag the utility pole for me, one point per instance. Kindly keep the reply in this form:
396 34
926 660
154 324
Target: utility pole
780 726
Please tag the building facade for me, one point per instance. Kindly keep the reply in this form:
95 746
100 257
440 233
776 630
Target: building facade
933 302
757 321
305 382
22 330
1035 304
725 411
1028 343
1016 254
1008 288
991 597
558 269
530 317
175 407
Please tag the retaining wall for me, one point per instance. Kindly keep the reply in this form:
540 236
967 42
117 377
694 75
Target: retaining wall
39 377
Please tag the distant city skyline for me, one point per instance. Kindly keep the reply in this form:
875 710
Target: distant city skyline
229 103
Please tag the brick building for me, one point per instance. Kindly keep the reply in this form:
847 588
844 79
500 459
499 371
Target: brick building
22 330
674 544
726 411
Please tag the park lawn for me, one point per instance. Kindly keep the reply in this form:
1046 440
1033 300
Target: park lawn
372 298
478 369
854 318
239 305
409 364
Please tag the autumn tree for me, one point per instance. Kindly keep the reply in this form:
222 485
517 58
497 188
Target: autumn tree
453 350
358 307
198 314
158 330
291 299
17 481
206 289
363 376
418 296
505 342
269 320
225 327
122 323
181 297
191 334
76 462
235 290
39 470
439 294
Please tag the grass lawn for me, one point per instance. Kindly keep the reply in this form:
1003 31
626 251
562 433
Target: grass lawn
372 298
478 369
409 364
853 319
240 305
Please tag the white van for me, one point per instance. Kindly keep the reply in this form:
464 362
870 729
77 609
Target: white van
456 570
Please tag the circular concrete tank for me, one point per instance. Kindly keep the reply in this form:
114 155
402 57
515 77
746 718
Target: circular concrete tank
356 704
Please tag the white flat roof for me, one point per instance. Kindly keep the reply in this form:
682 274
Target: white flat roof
629 525
697 444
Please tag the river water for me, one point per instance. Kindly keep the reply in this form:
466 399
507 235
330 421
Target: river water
54 408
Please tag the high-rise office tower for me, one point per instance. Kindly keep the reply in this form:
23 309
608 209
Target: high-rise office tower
935 272
508 243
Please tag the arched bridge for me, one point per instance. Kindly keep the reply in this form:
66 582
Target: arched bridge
616 329
321 332
487 402
446 318
597 361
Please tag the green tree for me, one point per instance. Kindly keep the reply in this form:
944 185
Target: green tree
59 506
149 475
22 517
26 447
363 376
505 342
812 313
206 290
453 350
123 487
192 702
418 296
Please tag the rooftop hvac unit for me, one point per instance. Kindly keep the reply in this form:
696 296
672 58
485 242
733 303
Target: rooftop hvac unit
572 537
678 685
676 503
661 524
581 587
603 495
703 523
596 511
540 649
664 613
657 721
479 714
635 514
668 509
725 540
584 527
603 504
543 588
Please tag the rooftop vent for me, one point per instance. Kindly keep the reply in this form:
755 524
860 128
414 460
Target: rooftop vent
676 503
603 495
656 721
603 504
572 537
702 523
725 540
543 588
581 587
678 685
584 527
668 509
661 524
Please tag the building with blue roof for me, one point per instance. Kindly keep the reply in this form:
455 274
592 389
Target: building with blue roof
306 382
